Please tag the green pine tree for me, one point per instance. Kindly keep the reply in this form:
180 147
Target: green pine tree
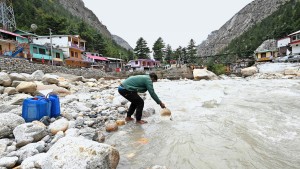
158 49
191 52
168 54
141 50
178 55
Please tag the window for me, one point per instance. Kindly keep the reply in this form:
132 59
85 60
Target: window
136 62
57 55
76 55
72 53
42 51
294 38
298 37
263 55
35 50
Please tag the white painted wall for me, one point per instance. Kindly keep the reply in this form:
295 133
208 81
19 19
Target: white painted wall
61 41
295 48
283 42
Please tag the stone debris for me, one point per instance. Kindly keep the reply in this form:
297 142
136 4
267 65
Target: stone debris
91 109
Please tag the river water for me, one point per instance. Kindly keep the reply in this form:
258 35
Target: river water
217 124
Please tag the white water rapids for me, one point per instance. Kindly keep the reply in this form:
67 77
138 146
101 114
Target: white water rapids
217 124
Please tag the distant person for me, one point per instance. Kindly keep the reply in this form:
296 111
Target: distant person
43 60
129 89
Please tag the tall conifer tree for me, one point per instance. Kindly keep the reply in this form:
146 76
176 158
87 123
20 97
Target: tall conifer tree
141 50
158 49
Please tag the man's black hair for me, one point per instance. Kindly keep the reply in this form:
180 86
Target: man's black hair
153 76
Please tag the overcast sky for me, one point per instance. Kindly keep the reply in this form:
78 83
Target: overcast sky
175 21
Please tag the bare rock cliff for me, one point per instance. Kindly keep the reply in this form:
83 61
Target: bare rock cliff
122 42
77 8
237 25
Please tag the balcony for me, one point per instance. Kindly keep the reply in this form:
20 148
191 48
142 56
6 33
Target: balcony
75 46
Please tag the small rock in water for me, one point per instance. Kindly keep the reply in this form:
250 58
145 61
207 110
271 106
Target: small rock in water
120 122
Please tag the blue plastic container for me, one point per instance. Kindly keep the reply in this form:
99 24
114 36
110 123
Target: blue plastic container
55 105
36 108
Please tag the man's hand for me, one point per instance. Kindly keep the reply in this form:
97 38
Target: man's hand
162 105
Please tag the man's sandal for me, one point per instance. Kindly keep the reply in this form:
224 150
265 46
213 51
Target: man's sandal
129 119
141 122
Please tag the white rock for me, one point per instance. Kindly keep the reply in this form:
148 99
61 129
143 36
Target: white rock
121 109
29 132
59 125
34 161
75 153
72 132
8 162
51 79
204 74
81 107
64 84
249 71
38 75
5 79
8 122
16 76
28 77
29 150
3 146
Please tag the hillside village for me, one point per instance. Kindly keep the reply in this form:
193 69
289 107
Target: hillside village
70 51
67 50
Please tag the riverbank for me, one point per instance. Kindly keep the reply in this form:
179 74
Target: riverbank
92 111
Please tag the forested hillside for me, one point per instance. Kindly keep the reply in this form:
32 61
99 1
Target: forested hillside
50 14
284 21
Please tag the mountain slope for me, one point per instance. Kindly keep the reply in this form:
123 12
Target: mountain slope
78 9
250 15
122 42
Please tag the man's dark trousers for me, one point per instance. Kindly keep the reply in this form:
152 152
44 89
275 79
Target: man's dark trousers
137 103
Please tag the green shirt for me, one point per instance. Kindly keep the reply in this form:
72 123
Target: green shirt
141 83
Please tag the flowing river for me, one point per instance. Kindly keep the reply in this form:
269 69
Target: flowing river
216 124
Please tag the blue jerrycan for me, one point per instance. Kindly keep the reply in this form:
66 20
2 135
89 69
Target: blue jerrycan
35 108
55 104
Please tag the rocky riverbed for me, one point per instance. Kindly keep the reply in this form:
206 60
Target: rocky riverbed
91 110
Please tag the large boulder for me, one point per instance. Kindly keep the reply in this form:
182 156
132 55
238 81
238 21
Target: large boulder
249 71
51 79
26 87
5 79
8 122
76 152
17 77
204 74
59 90
28 77
29 132
38 75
